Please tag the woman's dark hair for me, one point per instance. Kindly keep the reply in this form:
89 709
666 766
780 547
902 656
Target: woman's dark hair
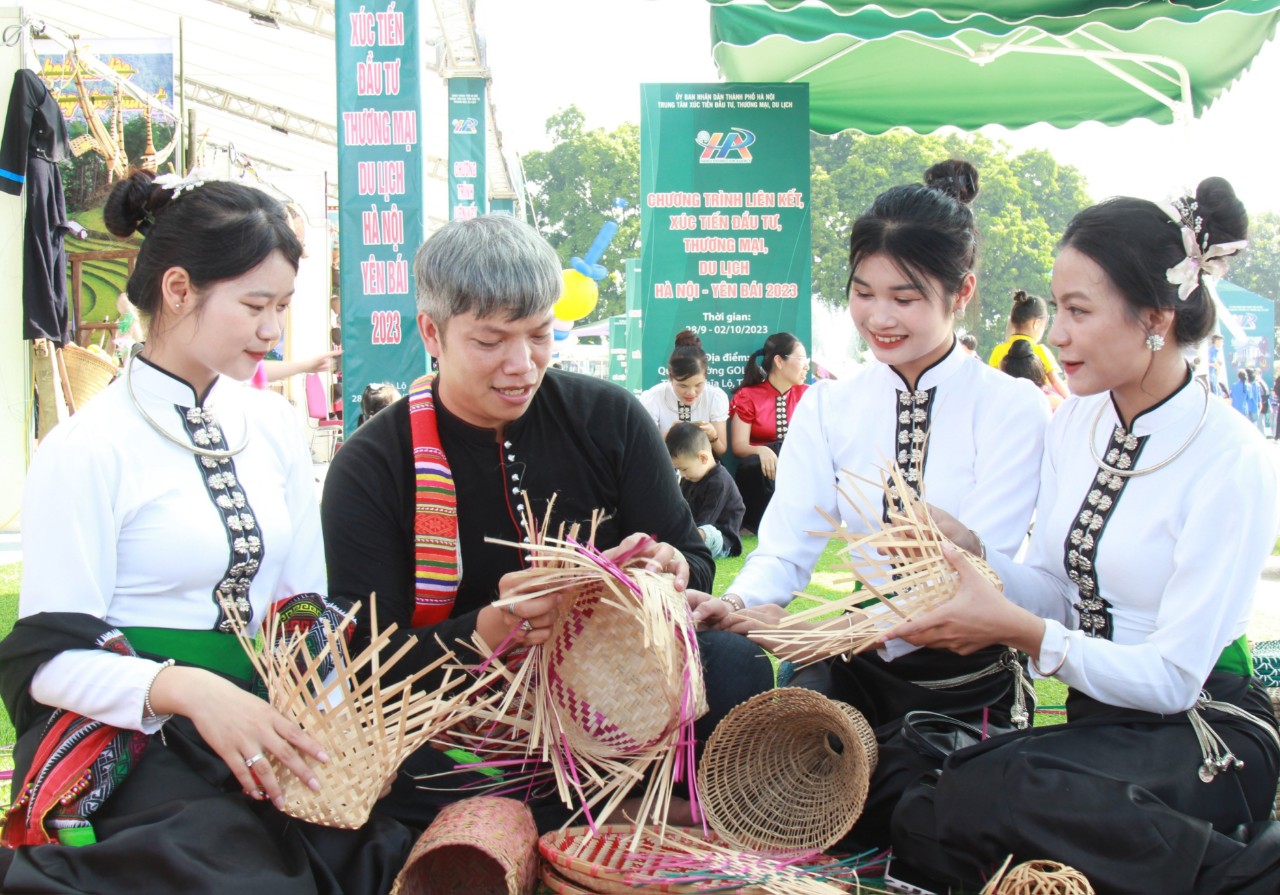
1021 363
927 229
1249 374
687 358
375 397
777 345
1135 242
970 341
1027 308
215 232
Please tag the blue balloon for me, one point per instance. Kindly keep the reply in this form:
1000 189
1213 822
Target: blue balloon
560 335
589 266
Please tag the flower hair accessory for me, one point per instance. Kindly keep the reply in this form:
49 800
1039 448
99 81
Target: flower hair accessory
179 184
1205 263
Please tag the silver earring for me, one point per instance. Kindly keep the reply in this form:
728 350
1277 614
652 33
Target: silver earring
1155 341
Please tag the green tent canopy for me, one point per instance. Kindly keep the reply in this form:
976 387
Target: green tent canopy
876 67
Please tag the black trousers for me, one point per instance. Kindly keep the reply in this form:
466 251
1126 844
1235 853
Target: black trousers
756 488
1114 793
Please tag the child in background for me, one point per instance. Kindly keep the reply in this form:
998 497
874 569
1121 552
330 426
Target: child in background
710 491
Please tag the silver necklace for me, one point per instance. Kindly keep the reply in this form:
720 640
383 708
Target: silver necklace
182 443
1130 473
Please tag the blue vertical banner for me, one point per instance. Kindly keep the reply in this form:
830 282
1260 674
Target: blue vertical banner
380 189
467 185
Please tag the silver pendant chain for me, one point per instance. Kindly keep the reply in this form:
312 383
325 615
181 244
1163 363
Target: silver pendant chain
1130 473
182 443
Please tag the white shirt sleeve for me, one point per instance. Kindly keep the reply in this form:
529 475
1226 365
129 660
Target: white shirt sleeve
69 561
651 401
1009 435
719 404
806 480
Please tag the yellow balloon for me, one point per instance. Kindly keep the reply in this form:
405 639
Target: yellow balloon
578 298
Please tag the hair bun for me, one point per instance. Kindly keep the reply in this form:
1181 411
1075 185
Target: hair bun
1223 214
133 204
1021 348
689 338
955 177
1020 296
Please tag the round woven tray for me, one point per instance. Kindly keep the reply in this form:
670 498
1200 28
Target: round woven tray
785 771
604 864
87 373
481 846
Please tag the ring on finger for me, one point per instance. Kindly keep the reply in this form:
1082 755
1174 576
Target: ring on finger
253 759
526 626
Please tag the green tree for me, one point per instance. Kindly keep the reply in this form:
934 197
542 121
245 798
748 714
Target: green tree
574 187
1258 267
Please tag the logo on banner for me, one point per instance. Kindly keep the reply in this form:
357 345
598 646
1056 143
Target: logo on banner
725 148
465 125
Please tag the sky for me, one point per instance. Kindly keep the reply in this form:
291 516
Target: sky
548 54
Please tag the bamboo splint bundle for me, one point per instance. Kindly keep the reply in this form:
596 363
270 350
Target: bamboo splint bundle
610 699
899 564
366 726
618 860
787 771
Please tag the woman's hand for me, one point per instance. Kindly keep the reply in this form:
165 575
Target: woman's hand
241 728
768 461
978 616
955 531
655 556
744 621
528 621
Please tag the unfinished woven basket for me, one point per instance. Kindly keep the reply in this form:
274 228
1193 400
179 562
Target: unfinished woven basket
366 725
481 846
899 564
785 771
610 699
87 373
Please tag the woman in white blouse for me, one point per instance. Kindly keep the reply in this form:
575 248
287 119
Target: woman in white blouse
687 397
1156 512
176 498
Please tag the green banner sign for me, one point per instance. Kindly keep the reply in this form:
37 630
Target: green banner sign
380 186
503 206
724 193
635 327
467 106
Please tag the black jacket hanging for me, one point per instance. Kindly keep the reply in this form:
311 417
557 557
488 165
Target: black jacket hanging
35 140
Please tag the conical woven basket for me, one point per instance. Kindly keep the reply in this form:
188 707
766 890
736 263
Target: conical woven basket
366 725
899 563
786 771
1037 878
481 846
87 373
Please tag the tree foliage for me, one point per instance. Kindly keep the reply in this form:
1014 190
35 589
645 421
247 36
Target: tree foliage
1258 268
574 186
1024 203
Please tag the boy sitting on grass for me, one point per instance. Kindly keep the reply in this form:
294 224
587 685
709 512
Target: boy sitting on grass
708 488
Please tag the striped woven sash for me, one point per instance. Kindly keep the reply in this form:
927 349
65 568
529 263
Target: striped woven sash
436 567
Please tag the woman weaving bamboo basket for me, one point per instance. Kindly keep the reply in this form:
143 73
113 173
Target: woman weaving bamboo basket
1138 588
969 434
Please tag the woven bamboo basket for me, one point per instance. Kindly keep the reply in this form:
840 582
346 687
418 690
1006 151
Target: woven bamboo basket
610 699
87 373
785 771
1037 878
480 846
613 861
366 723
899 563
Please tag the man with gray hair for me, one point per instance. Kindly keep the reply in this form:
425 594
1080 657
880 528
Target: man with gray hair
412 496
